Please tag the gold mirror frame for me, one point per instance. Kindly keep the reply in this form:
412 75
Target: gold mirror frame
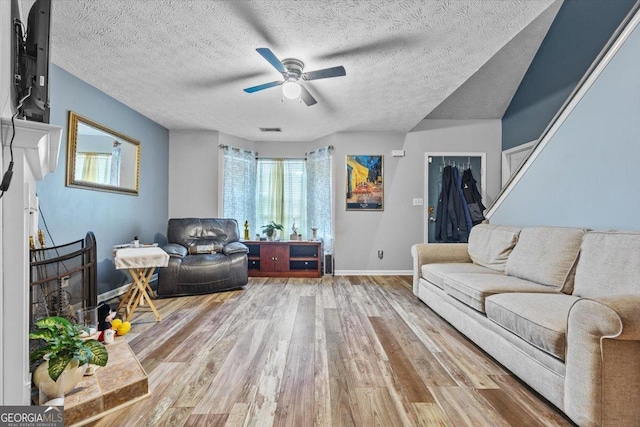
123 161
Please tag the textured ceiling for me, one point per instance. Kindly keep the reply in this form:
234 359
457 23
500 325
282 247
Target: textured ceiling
184 63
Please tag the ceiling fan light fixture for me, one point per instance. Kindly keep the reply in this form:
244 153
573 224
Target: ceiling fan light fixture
291 90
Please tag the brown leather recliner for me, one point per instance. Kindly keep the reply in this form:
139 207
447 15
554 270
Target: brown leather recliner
205 256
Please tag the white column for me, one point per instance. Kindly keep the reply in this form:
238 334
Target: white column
35 151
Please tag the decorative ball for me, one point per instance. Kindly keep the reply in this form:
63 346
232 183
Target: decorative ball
123 329
115 323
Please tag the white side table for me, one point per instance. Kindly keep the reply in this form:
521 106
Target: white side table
141 262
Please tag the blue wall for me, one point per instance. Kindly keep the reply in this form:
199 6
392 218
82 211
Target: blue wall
588 174
578 33
114 218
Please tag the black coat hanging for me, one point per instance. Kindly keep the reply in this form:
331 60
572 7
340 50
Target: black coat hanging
473 197
451 225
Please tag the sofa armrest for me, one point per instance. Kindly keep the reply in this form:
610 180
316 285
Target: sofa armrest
235 248
602 379
175 250
423 253
627 307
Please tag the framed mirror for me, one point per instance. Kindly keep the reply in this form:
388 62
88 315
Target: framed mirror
100 158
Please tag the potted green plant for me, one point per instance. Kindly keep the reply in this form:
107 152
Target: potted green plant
63 349
270 229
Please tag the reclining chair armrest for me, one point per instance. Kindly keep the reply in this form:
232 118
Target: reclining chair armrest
602 380
423 253
175 250
235 248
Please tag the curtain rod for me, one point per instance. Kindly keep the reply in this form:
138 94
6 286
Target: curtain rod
224 147
281 158
317 150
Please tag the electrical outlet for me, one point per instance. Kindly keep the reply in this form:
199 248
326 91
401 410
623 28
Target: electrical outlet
380 254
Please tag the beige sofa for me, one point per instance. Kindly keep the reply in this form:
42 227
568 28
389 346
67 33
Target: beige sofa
558 307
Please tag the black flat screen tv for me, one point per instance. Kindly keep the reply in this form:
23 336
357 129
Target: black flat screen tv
31 62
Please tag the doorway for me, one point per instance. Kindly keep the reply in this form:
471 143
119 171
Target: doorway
435 164
513 158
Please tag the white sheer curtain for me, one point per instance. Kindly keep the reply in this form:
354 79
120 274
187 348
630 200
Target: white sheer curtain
116 157
239 188
320 195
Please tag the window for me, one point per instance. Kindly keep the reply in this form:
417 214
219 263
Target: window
281 194
94 167
280 190
99 168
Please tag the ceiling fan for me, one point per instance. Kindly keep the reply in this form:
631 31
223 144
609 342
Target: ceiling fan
292 72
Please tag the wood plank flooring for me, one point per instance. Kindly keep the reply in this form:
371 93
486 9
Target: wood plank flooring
335 351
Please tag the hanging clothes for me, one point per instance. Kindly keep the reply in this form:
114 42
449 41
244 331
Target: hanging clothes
472 197
464 238
451 225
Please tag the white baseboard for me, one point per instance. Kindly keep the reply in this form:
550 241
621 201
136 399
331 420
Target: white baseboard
374 272
120 291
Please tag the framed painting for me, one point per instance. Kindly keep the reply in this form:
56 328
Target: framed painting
365 183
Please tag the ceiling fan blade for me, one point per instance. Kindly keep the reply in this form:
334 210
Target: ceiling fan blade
215 82
307 97
325 73
262 86
247 11
391 43
273 60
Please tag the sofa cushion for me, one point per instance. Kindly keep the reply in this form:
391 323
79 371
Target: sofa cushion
205 265
546 255
473 288
205 246
490 245
435 273
609 264
187 231
539 319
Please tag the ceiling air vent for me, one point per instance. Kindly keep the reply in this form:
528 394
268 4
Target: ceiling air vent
270 129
